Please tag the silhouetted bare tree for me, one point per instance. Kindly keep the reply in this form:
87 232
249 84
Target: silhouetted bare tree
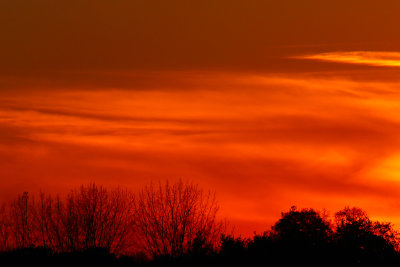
90 216
171 219
22 215
95 217
5 228
53 224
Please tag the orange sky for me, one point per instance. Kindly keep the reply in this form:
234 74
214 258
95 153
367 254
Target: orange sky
270 104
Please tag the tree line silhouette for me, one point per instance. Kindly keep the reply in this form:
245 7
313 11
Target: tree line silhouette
176 224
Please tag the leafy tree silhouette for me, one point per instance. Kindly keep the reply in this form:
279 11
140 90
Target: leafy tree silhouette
360 240
304 234
305 227
232 247
233 251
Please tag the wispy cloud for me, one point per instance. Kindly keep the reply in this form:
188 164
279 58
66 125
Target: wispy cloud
309 141
371 58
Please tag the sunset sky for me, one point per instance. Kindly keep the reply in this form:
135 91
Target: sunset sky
269 103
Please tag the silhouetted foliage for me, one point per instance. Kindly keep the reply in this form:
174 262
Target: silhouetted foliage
359 240
298 236
233 250
305 228
177 226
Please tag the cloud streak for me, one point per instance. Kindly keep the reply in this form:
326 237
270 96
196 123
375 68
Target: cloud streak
370 58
